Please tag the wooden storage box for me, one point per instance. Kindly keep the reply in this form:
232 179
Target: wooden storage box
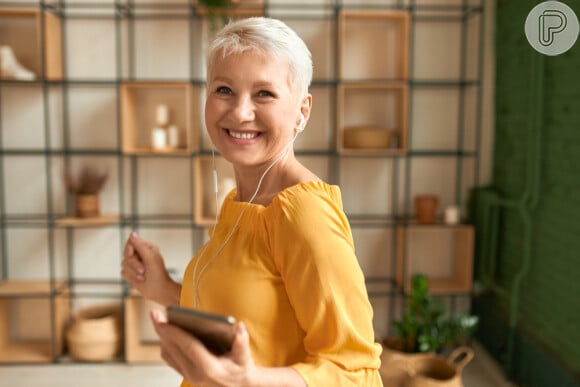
136 349
139 104
372 108
373 44
443 253
23 306
35 38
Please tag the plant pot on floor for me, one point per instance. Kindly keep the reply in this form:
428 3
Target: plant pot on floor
402 369
437 371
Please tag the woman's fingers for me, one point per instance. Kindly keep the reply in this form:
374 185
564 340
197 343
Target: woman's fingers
132 267
145 250
132 270
181 351
241 353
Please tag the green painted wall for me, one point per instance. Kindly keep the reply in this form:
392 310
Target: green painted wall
549 306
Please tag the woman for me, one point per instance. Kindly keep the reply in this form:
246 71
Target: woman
281 257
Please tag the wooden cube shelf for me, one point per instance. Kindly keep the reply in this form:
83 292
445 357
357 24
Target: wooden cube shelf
41 299
35 38
136 350
139 102
443 253
373 44
372 118
204 196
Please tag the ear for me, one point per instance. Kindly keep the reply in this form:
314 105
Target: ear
305 108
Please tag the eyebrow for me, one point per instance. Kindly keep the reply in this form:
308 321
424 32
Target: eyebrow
256 84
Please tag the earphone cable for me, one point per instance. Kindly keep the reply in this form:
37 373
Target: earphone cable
197 278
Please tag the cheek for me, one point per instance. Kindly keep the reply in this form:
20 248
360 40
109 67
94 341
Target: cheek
209 111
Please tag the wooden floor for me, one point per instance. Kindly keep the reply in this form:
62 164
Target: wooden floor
481 372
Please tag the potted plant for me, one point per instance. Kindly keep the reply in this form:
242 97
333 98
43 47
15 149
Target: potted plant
85 187
219 11
216 11
424 332
425 325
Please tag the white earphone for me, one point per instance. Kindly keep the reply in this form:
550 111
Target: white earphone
301 123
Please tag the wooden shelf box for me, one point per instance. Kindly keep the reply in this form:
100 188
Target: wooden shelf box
139 102
136 349
443 253
35 38
378 108
204 196
373 45
32 307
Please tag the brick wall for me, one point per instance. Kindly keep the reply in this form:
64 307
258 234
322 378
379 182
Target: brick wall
549 308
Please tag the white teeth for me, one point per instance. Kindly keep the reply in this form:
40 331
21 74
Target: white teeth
242 136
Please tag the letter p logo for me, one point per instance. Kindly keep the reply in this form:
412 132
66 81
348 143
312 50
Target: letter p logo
552 28
551 22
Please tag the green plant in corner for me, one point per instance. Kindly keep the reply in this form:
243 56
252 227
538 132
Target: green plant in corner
425 325
216 12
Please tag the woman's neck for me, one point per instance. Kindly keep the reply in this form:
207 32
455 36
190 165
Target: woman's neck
282 175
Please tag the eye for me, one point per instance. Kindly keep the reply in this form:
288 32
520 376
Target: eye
223 90
265 93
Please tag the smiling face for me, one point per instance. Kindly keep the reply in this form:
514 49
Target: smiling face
252 110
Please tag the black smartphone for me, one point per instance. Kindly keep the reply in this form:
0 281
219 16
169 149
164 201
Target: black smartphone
215 331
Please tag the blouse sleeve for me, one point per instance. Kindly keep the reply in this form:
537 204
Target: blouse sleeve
314 252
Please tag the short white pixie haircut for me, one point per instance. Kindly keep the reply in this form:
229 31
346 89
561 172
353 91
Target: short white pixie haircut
269 36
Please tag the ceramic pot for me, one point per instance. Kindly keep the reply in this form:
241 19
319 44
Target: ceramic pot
87 205
436 371
426 208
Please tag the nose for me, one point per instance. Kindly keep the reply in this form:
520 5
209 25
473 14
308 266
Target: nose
243 109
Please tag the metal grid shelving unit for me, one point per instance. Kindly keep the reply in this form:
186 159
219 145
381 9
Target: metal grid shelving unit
55 104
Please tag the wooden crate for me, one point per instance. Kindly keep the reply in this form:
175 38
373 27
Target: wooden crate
136 350
373 105
381 38
36 35
443 253
139 101
39 304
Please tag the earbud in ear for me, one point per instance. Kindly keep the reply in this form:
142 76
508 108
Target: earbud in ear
301 123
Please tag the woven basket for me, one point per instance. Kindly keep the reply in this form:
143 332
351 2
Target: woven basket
367 138
95 334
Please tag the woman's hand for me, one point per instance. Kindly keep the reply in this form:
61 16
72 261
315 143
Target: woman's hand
196 364
143 267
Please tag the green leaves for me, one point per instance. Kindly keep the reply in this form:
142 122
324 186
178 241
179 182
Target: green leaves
425 326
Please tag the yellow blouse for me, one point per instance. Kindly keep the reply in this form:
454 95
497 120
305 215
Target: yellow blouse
289 271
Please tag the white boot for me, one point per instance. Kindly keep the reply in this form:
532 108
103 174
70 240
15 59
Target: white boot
10 68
